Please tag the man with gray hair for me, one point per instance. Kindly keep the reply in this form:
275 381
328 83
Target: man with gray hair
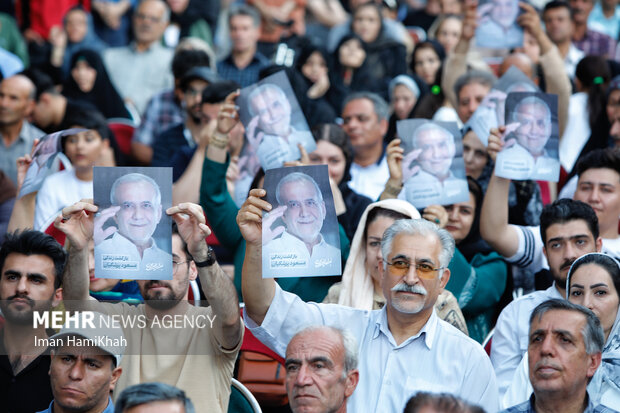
416 254
564 351
136 209
145 397
321 370
303 211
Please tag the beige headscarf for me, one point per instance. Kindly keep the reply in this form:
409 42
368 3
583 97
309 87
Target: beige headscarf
357 288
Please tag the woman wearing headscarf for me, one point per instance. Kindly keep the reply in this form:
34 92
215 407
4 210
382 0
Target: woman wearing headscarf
89 81
405 94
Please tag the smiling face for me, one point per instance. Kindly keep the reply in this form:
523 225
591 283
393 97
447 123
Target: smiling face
438 150
469 99
363 126
305 212
273 111
535 126
460 218
139 213
505 12
82 378
591 286
558 363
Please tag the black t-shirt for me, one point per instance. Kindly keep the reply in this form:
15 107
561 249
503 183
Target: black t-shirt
419 18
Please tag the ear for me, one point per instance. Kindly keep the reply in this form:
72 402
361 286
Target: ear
193 271
116 374
599 244
353 377
30 107
57 297
594 360
384 126
445 277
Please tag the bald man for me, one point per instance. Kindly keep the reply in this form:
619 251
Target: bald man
16 105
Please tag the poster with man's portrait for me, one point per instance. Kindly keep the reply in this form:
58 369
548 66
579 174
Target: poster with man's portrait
497 24
531 140
433 166
274 123
43 157
132 232
300 233
490 112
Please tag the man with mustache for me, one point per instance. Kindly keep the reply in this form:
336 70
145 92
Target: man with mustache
32 266
416 254
564 351
197 358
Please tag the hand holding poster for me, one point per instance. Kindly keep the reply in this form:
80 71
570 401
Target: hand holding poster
433 167
300 235
274 122
497 24
530 148
132 233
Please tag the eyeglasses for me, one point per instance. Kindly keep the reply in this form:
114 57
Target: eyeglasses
401 268
175 265
296 205
148 18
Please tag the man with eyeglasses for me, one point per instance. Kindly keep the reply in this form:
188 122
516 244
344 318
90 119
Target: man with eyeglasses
302 210
404 348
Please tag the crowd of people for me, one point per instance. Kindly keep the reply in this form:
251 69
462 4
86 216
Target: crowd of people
508 301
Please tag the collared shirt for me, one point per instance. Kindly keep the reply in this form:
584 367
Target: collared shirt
108 409
599 22
424 189
161 113
511 335
289 256
274 150
518 163
370 180
169 142
530 407
21 146
248 75
438 359
597 44
118 257
139 75
573 57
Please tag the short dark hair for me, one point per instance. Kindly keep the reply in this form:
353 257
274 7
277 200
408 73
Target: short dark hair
480 77
42 82
184 60
556 4
593 335
217 92
380 106
443 402
565 210
31 242
608 158
143 393
88 119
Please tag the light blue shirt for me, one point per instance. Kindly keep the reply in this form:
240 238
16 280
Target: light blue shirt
439 358
109 409
609 26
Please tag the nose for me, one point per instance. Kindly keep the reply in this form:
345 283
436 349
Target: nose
411 278
472 106
22 285
570 252
547 347
587 301
303 377
468 156
594 195
76 372
136 212
453 215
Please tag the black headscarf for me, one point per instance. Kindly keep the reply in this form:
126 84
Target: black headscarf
473 243
103 94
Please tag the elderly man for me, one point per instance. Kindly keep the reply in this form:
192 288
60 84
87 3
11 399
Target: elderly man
85 366
183 356
564 351
271 129
303 211
17 95
32 265
416 255
527 157
498 25
136 209
321 370
142 69
145 397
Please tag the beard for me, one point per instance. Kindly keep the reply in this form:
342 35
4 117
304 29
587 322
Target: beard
557 278
23 316
161 300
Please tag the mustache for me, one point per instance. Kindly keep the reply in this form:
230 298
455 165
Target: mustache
567 264
157 283
23 296
414 289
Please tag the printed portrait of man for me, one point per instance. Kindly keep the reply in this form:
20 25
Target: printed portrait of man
270 128
525 155
128 245
301 246
428 169
497 25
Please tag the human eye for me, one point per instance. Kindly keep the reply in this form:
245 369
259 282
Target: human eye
147 205
293 204
11 277
292 368
126 205
311 203
319 365
555 245
576 293
600 292
400 264
424 268
374 244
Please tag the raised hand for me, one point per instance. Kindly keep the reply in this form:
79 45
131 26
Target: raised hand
100 234
228 116
254 138
193 229
436 214
76 222
408 160
250 216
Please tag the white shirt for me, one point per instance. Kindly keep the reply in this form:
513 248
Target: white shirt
517 162
573 57
274 150
118 257
59 190
438 359
510 339
369 180
288 256
424 189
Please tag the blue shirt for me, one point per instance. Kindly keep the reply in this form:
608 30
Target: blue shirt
109 409
248 75
529 407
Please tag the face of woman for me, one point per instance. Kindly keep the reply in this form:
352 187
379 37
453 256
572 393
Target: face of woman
426 64
327 153
449 33
403 100
367 24
84 75
474 155
351 54
591 286
84 149
315 67
373 245
76 26
460 218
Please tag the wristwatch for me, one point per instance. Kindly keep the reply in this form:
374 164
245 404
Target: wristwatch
209 261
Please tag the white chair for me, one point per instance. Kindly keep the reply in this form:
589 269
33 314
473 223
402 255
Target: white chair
249 397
